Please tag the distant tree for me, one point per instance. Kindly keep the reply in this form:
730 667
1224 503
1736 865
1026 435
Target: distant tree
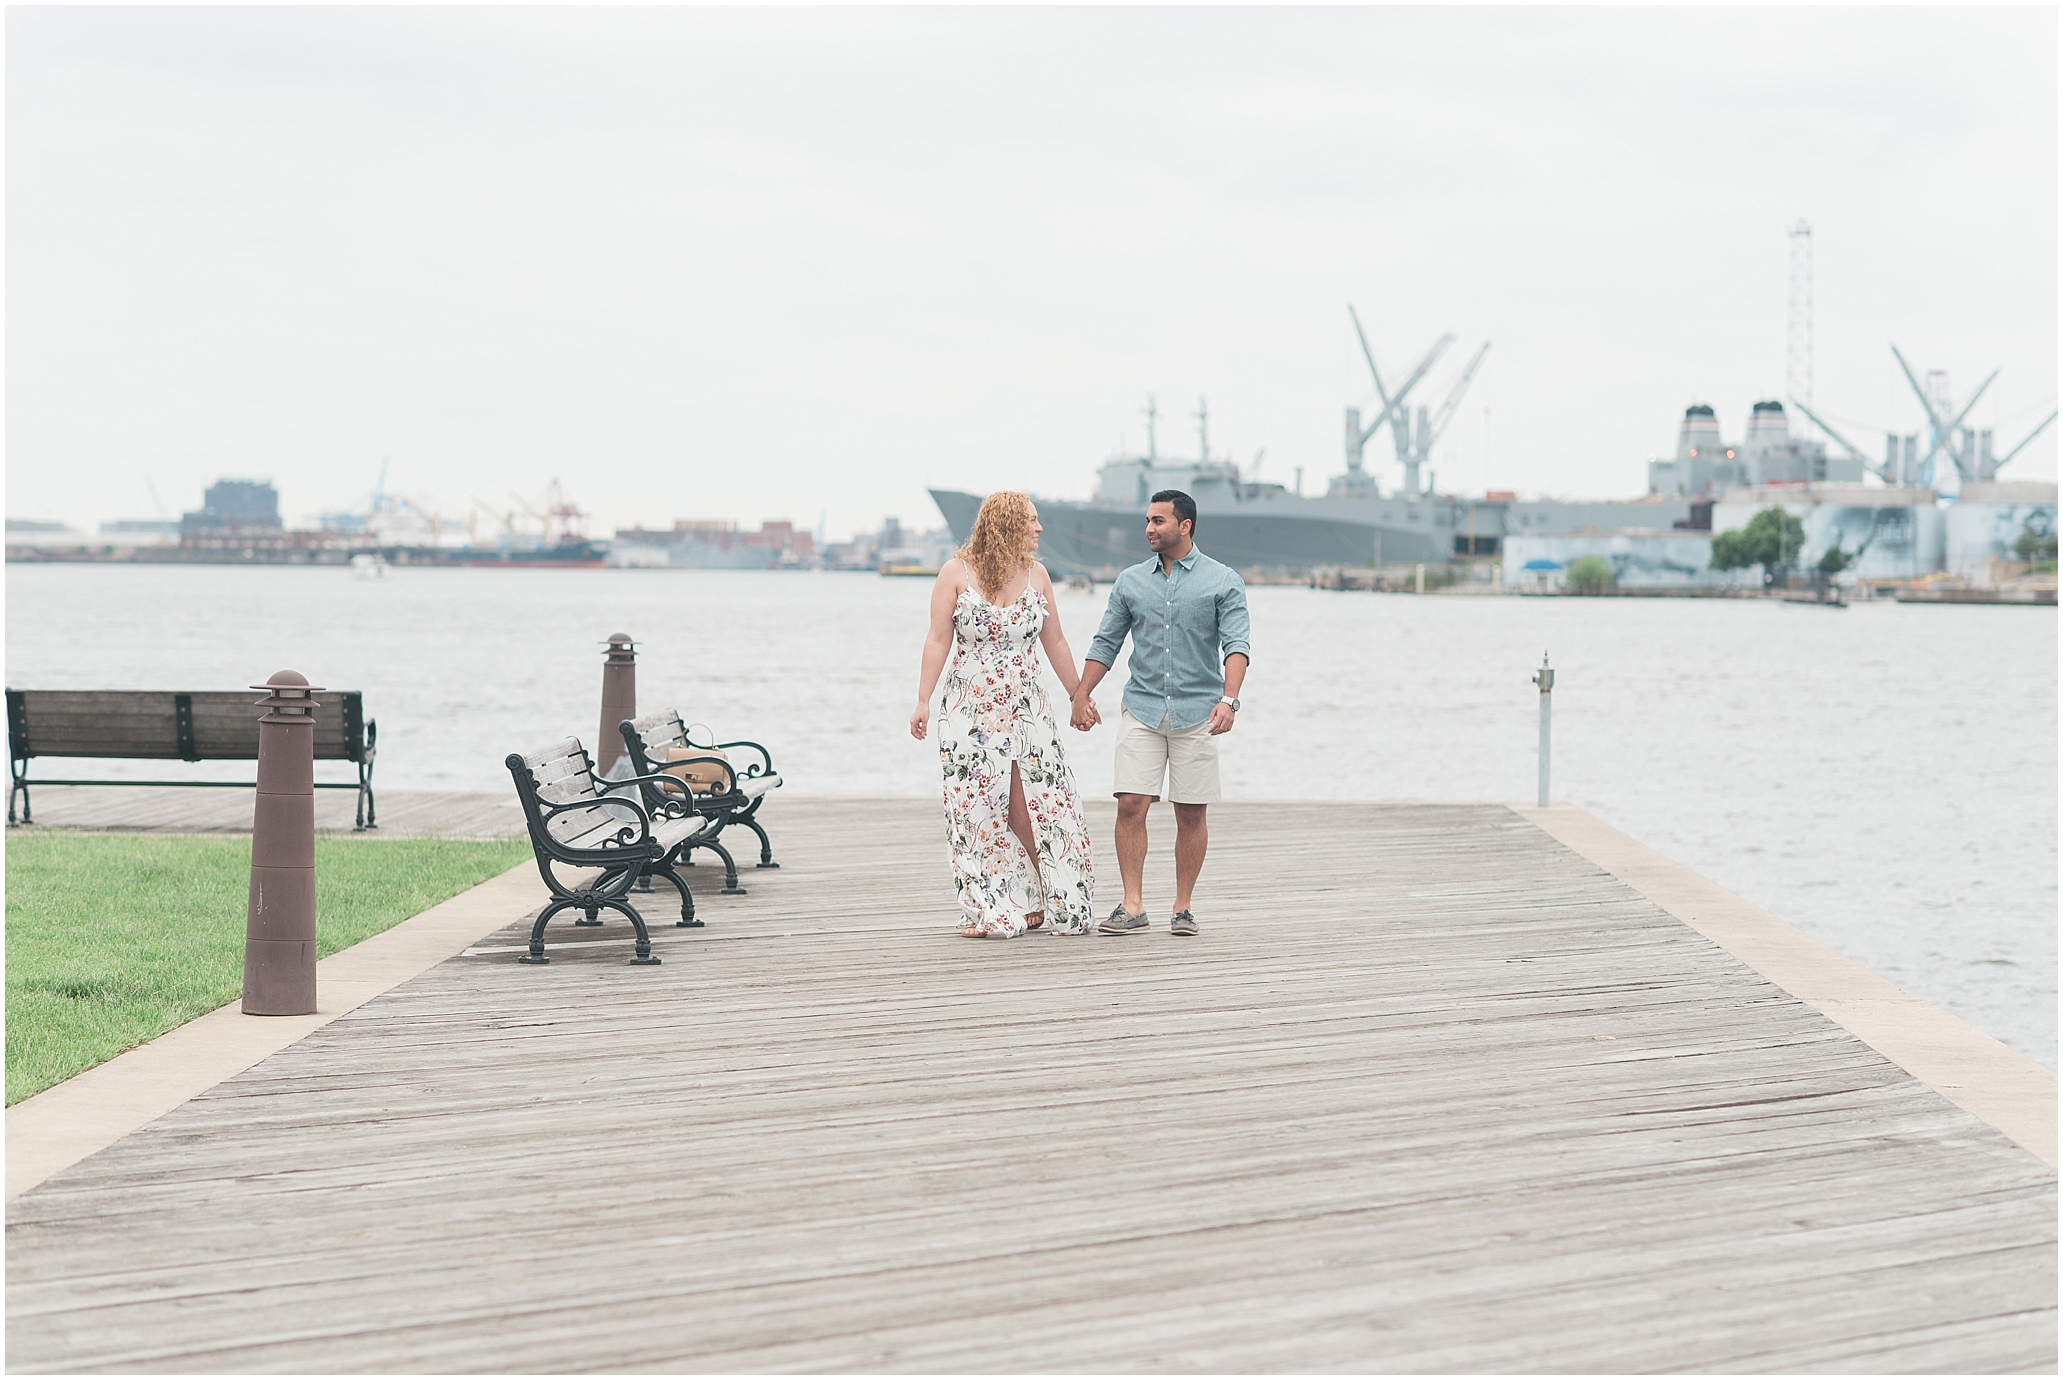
1591 575
1835 560
1772 539
2035 546
1730 551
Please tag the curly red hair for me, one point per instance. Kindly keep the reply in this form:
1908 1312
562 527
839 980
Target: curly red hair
1000 546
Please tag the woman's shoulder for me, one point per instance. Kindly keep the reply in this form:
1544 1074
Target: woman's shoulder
953 578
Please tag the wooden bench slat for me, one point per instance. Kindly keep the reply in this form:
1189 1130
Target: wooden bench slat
569 787
671 831
565 747
144 724
148 725
587 828
663 729
563 769
127 744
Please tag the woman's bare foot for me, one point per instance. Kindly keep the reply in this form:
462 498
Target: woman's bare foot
972 932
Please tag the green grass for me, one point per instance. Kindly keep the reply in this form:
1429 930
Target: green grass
113 940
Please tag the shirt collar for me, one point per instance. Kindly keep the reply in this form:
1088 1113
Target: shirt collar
1187 562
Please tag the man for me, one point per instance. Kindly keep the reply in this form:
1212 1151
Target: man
1186 614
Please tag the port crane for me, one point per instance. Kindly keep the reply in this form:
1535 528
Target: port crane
1968 448
2040 427
1883 472
1962 445
1428 433
1395 411
1414 443
384 516
558 518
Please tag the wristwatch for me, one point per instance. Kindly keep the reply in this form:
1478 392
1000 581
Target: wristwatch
1227 699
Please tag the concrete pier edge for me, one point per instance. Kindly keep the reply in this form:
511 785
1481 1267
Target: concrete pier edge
1985 1077
86 1113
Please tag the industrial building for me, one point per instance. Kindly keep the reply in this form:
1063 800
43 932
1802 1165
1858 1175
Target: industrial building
1705 466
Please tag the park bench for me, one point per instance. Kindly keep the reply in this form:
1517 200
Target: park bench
174 725
655 738
575 825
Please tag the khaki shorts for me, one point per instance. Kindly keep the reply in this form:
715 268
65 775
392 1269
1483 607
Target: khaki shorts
1186 757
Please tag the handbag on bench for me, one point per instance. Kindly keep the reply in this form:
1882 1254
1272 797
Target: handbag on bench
703 776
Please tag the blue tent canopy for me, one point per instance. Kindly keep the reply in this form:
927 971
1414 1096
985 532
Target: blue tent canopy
1541 563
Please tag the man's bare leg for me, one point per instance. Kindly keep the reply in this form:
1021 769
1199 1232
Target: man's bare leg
1192 838
1131 849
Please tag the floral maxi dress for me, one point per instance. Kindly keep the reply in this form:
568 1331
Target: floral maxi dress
996 713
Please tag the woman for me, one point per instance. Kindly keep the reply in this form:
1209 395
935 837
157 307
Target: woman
1020 851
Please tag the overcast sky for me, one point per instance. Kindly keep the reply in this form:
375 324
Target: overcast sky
791 263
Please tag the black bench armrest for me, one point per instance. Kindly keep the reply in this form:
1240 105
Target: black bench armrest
763 767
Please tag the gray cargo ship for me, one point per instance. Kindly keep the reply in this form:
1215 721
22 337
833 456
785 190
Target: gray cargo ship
1265 527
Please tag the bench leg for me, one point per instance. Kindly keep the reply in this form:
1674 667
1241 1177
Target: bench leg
730 868
766 847
687 920
537 954
637 922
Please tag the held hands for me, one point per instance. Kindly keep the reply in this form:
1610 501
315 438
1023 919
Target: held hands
1084 715
1221 718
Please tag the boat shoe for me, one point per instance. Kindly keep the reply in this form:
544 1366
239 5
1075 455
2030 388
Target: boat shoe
1183 923
1122 921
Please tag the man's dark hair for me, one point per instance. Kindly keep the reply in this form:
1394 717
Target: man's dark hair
1185 506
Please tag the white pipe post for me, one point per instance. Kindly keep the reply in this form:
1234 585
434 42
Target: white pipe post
1544 678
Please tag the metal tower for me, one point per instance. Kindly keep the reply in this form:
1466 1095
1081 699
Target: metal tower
1798 324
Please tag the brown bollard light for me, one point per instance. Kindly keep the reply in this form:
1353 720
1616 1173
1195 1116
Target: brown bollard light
619 699
279 928
619 702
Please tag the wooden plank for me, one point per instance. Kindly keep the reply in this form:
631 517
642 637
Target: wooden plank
563 749
1430 1093
141 724
100 723
661 731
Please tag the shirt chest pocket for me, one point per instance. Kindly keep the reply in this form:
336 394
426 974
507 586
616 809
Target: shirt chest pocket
1193 614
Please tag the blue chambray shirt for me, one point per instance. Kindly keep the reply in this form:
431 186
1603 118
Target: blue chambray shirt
1183 624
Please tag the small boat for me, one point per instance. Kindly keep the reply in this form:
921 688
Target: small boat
370 565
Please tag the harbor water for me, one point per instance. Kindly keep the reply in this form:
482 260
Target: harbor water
1882 776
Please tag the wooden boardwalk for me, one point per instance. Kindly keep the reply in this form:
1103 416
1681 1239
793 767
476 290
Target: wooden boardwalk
1430 1093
